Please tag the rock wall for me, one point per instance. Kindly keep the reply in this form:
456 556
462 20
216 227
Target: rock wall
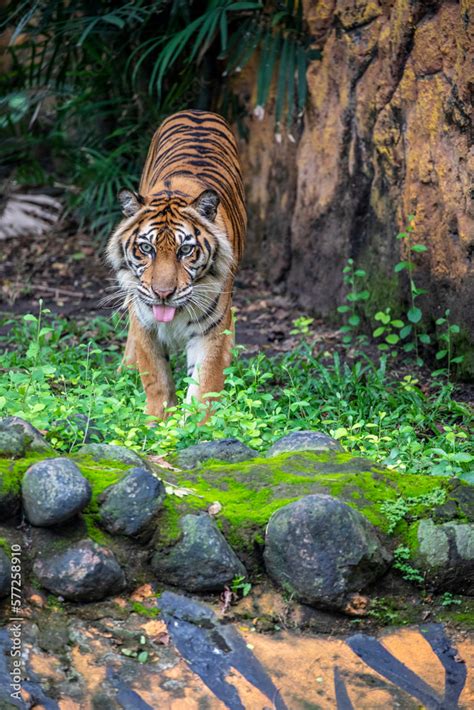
387 133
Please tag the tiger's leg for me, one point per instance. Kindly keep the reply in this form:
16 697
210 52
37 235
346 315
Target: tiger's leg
129 357
207 358
154 369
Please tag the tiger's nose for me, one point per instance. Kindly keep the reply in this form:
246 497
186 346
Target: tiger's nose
164 293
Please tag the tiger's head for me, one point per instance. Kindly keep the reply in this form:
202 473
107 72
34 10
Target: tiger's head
170 253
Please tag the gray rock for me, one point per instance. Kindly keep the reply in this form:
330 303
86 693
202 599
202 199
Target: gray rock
321 551
304 441
201 561
445 555
129 506
54 490
112 452
4 574
230 450
17 437
83 572
13 444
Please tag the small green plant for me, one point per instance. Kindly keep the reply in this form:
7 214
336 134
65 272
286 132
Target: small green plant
240 586
392 331
414 313
452 459
383 611
302 325
401 557
449 599
357 295
445 332
398 509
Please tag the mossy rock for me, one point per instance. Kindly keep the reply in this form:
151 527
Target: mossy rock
19 438
444 554
112 454
252 491
11 474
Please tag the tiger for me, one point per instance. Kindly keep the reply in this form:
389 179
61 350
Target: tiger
175 253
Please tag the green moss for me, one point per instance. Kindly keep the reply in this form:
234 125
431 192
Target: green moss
11 472
101 475
5 546
463 614
168 529
94 531
411 537
393 611
143 610
252 491
53 602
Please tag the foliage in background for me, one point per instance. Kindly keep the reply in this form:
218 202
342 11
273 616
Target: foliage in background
90 82
59 369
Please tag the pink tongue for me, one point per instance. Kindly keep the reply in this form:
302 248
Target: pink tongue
163 314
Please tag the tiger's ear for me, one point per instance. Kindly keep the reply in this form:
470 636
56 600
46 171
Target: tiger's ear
206 204
130 202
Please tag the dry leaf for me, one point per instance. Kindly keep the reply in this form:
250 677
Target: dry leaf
163 638
357 605
160 461
215 508
227 597
142 593
178 492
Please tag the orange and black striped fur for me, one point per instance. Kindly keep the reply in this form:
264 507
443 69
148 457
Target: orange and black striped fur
175 254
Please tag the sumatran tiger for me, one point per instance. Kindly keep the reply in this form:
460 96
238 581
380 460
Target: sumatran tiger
175 254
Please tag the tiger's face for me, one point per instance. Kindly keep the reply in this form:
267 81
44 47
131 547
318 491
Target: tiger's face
169 254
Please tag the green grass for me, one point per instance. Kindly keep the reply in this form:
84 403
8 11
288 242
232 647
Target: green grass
54 369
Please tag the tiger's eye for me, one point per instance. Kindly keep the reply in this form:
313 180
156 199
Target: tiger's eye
186 249
146 248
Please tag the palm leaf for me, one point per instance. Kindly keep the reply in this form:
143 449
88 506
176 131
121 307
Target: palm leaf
281 83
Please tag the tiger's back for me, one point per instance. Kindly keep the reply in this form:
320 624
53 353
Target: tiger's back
192 151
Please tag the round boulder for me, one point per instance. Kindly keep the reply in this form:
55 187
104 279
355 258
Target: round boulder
18 436
229 450
321 550
83 572
5 571
112 452
54 490
201 561
304 441
129 506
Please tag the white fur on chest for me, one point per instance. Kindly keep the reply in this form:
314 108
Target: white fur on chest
174 336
